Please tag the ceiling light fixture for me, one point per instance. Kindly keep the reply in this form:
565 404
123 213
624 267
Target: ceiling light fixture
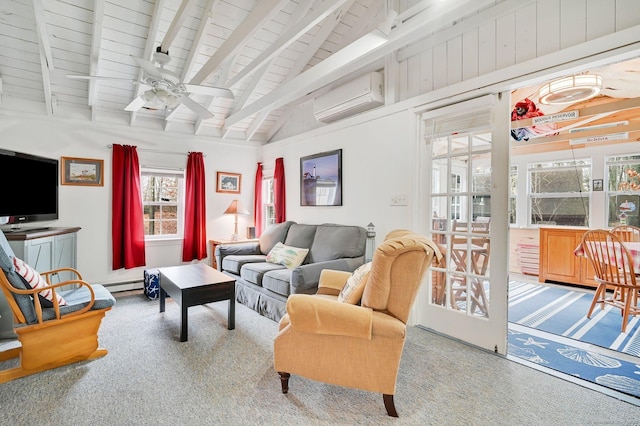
161 98
568 90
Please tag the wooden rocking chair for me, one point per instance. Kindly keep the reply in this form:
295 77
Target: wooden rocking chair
54 336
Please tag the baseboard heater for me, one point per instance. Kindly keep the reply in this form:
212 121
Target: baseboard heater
124 286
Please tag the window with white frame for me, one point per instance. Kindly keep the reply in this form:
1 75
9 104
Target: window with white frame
622 190
269 210
560 192
481 188
162 203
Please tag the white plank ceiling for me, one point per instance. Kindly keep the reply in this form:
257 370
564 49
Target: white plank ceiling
262 50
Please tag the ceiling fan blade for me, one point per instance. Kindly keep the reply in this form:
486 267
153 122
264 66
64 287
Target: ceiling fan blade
196 107
136 104
148 67
97 77
209 90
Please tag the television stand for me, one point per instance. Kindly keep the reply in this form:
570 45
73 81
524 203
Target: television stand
27 230
46 249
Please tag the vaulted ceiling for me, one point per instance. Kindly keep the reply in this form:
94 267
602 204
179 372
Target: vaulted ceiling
273 55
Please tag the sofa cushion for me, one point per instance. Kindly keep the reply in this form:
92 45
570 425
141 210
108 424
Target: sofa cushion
277 281
291 257
253 272
234 263
80 297
354 287
272 235
337 241
35 280
300 235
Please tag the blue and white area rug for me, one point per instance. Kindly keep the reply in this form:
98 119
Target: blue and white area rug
564 312
612 370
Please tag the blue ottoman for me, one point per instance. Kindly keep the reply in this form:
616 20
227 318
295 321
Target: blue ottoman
152 283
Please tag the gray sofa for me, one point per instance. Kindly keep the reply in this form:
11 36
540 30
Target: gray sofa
264 287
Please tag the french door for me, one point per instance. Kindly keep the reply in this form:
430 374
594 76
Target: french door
463 208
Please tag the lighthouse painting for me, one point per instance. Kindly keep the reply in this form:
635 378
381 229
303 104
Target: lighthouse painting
321 179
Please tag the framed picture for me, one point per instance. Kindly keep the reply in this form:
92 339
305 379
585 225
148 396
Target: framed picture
82 171
228 182
597 185
321 179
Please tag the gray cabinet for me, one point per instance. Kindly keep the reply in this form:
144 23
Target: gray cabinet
43 249
46 250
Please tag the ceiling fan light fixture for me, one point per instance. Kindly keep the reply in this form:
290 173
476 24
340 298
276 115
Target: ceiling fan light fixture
160 98
174 101
568 90
149 96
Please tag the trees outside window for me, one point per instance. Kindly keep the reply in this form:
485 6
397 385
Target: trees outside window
267 203
162 203
559 192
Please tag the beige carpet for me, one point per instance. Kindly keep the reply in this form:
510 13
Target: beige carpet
226 377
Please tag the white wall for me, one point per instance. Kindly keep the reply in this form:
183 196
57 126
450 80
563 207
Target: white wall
90 207
376 164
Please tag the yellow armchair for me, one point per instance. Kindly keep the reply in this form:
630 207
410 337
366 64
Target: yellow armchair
357 346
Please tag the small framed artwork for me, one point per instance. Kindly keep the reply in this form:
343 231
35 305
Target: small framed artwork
228 182
82 171
321 179
597 185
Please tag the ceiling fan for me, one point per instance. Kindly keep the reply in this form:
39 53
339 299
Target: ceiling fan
166 90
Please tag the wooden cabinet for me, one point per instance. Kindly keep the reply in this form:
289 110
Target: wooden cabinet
47 249
557 261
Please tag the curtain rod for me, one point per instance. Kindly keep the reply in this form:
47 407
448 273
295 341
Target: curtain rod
157 151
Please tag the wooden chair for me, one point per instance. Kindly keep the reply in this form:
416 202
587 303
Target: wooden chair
478 264
626 232
54 336
613 267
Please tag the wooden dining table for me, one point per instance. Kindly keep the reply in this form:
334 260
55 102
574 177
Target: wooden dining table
632 246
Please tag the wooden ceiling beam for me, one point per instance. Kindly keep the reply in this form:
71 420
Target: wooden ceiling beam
96 46
262 13
287 38
604 108
193 52
46 58
355 56
148 49
176 24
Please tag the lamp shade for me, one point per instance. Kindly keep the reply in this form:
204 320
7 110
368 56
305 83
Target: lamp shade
236 208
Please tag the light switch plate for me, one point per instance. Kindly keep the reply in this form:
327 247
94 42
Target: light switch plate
399 200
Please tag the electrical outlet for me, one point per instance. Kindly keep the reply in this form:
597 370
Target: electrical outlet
399 200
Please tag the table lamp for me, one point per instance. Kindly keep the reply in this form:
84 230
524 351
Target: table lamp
235 208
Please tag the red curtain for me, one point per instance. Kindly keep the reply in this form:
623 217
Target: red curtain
127 226
257 202
279 193
195 218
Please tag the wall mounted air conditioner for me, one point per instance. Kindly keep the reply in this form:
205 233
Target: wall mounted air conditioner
356 96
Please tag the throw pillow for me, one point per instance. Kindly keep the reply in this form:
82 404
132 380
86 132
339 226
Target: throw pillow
35 280
291 257
353 289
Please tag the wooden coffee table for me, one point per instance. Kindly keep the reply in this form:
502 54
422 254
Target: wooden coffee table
197 284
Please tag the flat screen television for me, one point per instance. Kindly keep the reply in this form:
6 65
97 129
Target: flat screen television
30 188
